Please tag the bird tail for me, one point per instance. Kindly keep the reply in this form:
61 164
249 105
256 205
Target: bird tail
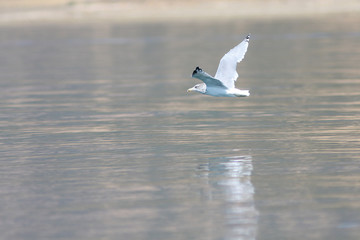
242 93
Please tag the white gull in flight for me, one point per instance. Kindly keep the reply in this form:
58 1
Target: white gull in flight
223 84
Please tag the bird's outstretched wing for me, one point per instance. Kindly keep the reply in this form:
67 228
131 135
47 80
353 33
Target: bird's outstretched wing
226 71
206 78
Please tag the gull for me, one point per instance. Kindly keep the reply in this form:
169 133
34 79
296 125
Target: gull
223 83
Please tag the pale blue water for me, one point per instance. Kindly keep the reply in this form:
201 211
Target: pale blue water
99 139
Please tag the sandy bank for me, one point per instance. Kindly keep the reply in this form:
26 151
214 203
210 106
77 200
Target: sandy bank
37 11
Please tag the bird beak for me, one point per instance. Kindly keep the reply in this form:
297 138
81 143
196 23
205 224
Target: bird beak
190 90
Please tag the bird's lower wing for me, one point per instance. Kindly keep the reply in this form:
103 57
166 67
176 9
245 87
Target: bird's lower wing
207 78
226 71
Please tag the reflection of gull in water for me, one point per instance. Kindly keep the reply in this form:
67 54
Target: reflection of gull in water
223 83
241 213
237 190
237 184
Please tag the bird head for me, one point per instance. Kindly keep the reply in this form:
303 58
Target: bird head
201 88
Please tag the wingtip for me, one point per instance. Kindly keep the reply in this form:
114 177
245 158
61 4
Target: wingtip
248 37
197 69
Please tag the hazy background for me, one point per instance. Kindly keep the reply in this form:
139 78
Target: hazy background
100 140
162 10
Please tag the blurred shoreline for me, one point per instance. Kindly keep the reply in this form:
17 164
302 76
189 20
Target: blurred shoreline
40 11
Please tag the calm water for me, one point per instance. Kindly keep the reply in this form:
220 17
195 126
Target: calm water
99 139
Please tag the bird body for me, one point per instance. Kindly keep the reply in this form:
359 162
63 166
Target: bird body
223 84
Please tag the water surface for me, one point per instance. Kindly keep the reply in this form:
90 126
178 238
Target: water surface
99 139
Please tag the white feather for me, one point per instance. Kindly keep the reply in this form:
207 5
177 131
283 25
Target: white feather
226 71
